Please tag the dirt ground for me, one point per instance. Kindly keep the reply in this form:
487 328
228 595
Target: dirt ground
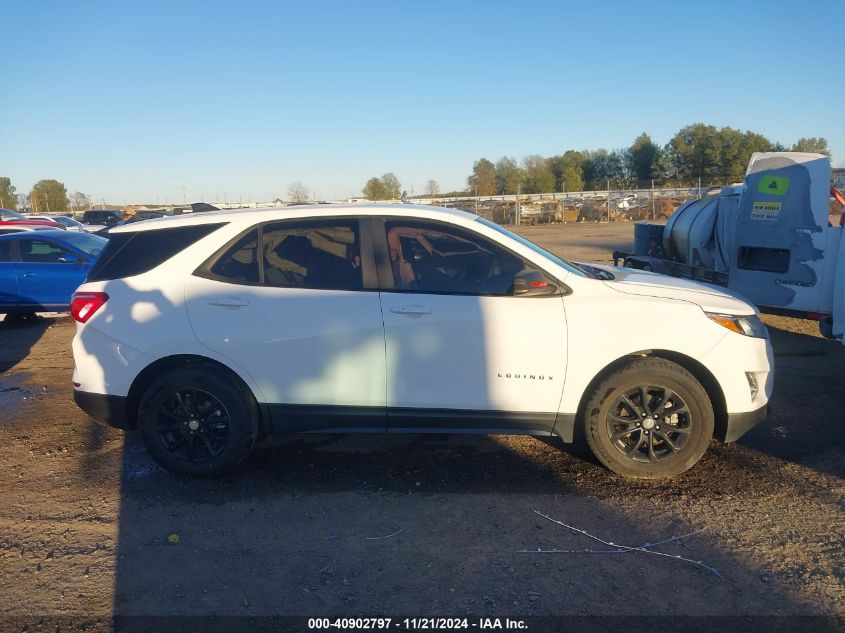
92 529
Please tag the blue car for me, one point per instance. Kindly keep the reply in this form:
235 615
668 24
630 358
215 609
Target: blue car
39 271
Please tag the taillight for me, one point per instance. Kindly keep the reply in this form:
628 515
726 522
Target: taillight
85 304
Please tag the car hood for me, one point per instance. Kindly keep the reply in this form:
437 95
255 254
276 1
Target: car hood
648 284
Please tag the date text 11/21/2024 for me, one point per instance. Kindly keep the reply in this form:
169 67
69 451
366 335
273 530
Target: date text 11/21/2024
417 624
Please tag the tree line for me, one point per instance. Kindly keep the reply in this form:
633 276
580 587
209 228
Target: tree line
715 155
46 195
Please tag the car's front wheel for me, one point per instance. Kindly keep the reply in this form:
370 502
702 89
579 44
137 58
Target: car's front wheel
649 419
196 422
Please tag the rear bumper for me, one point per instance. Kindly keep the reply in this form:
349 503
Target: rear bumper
103 408
740 423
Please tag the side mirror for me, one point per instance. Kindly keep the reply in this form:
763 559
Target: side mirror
532 283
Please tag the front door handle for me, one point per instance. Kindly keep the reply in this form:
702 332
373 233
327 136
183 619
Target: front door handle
228 302
27 274
410 310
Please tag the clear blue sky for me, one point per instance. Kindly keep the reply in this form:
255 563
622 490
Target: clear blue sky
133 100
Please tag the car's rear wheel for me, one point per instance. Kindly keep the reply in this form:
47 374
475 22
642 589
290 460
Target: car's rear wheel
649 419
196 422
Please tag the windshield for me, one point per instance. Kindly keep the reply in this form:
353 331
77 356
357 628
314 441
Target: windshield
537 249
8 214
61 219
91 244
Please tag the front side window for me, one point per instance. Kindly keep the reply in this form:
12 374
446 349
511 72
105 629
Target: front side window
436 258
42 252
5 251
313 254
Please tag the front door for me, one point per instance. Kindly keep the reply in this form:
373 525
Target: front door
462 351
48 274
289 303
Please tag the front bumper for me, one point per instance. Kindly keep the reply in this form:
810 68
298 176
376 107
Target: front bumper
104 408
738 424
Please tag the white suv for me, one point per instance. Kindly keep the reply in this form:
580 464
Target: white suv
209 331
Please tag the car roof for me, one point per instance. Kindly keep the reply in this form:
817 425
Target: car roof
45 232
251 216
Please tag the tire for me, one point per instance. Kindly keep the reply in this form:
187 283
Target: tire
196 421
654 445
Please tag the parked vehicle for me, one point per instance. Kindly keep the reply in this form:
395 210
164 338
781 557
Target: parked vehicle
12 218
769 239
66 221
8 214
39 271
209 330
6 228
138 217
102 217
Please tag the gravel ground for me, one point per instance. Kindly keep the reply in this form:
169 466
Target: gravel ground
91 528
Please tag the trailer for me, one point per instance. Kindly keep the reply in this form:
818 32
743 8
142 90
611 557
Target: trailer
768 239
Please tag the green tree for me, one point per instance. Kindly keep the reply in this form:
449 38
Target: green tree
392 186
8 194
538 177
573 171
641 157
49 195
735 149
696 151
817 145
374 189
483 178
509 176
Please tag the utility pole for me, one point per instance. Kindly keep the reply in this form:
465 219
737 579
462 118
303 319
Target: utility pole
653 212
518 191
608 200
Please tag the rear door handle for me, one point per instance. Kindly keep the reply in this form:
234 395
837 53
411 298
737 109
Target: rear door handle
27 274
228 302
410 310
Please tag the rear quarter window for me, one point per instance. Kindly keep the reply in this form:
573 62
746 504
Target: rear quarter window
130 254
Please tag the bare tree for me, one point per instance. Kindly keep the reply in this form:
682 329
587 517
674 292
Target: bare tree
79 200
298 192
432 188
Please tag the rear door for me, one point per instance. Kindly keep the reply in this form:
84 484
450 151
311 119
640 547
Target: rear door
296 305
48 273
462 351
9 294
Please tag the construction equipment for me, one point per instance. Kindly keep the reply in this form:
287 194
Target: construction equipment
768 239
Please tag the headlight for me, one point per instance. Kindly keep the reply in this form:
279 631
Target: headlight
746 325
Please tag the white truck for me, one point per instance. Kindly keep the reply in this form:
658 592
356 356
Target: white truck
769 239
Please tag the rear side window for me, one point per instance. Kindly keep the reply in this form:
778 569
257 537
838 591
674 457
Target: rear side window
240 263
5 251
323 255
317 254
129 254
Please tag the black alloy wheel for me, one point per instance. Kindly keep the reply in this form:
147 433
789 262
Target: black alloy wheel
650 418
649 423
193 425
198 419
